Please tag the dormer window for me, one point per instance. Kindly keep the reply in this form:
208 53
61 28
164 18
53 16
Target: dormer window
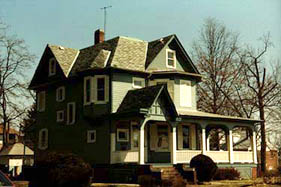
170 58
52 67
138 82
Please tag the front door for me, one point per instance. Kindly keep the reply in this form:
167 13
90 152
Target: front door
158 146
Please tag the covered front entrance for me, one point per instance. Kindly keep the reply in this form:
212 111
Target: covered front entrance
158 148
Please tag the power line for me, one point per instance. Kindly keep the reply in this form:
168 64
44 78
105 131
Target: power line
104 26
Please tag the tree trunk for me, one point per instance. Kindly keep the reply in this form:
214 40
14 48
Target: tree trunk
263 139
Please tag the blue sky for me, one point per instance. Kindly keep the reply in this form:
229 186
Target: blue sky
71 23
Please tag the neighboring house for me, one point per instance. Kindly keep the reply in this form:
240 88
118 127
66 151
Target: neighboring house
14 136
128 101
14 156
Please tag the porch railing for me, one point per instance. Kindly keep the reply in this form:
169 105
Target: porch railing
243 156
218 156
184 156
125 156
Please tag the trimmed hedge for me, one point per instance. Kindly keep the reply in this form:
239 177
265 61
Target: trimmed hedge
205 167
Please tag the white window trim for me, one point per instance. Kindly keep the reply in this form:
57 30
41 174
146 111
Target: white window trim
74 113
89 132
175 63
63 94
133 123
40 146
127 135
106 89
138 79
182 103
52 72
39 107
91 90
58 115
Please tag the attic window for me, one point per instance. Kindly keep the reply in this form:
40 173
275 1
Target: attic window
52 67
138 82
170 58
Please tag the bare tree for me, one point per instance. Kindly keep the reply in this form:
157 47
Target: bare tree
263 85
15 60
215 54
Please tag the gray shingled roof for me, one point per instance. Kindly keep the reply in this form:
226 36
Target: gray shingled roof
65 56
125 53
139 98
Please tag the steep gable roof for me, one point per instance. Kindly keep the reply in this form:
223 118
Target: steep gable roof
16 149
64 56
143 98
154 47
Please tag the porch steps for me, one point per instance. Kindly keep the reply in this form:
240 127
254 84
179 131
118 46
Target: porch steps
170 176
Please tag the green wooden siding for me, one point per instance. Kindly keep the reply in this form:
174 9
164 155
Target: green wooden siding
73 138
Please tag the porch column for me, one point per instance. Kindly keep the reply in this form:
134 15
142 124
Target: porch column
141 145
230 146
174 145
208 143
254 148
203 141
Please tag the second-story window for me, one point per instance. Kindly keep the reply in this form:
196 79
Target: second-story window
41 100
170 58
43 139
60 94
101 92
71 113
101 89
87 90
52 67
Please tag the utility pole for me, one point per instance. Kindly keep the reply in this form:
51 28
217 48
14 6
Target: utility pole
104 10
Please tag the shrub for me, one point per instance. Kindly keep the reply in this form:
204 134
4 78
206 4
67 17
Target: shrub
204 166
227 174
272 173
63 170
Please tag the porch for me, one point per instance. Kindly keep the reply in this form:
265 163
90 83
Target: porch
158 141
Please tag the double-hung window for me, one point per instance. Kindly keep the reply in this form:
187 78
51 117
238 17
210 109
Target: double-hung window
101 89
52 66
88 90
43 139
91 136
60 116
71 113
170 58
41 101
60 94
122 135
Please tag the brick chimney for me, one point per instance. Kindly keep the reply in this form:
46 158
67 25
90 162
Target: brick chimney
99 36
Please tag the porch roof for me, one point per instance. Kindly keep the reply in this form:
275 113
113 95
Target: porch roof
206 115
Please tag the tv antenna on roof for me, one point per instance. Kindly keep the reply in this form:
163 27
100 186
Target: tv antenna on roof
104 10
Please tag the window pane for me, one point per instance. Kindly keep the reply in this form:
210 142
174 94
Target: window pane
185 135
122 135
92 136
170 55
138 83
170 62
101 94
